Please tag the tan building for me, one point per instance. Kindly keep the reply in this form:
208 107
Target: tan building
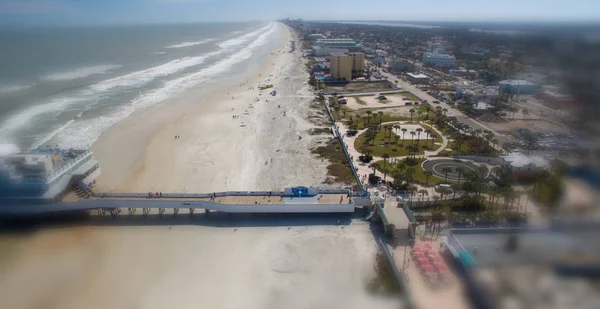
347 66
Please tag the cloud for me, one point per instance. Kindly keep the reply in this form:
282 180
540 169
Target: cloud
33 6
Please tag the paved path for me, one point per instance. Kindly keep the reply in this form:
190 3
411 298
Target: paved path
364 170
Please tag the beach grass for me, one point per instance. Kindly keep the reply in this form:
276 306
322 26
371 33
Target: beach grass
339 167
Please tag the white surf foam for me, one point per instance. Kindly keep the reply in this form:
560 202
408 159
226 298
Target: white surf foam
244 38
27 115
80 72
158 53
82 133
14 88
52 134
139 78
188 44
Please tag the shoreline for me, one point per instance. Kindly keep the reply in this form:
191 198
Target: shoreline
258 150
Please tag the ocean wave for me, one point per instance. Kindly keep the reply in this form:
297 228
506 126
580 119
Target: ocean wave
244 38
47 137
14 88
80 72
86 132
188 44
139 78
25 116
158 53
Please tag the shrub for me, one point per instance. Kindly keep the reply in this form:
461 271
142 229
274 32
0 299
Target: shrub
365 158
374 179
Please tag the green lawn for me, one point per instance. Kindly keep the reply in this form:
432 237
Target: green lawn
464 148
386 143
359 118
418 174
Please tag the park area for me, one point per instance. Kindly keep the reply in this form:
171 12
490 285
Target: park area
399 139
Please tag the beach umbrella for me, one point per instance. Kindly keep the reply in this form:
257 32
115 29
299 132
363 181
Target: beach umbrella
428 268
424 262
441 268
420 255
427 245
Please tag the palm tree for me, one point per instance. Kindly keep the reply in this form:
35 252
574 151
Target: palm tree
427 174
444 110
460 171
423 193
380 117
435 198
446 170
385 156
369 116
412 113
427 110
413 148
419 113
403 132
428 132
397 127
419 130
413 135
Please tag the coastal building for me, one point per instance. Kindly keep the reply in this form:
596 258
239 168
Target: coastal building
418 78
45 173
349 44
527 268
477 93
469 74
347 66
401 65
524 166
516 86
320 51
438 59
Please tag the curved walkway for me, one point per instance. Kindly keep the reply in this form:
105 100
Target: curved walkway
364 170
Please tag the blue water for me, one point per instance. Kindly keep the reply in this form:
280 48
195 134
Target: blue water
64 86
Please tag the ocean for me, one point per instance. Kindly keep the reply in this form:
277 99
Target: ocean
64 86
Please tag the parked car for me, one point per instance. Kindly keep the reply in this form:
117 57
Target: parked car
408 103
436 102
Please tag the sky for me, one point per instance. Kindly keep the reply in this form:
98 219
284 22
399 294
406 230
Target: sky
48 12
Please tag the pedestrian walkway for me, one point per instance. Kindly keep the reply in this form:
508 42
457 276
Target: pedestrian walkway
364 170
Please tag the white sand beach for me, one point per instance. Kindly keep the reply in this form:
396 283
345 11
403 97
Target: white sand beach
258 150
193 266
151 264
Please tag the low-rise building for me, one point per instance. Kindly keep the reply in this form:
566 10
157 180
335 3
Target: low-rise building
349 44
516 86
469 74
477 93
438 59
320 51
522 165
418 78
401 65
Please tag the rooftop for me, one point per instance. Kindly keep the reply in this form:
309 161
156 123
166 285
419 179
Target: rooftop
517 159
417 75
516 82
